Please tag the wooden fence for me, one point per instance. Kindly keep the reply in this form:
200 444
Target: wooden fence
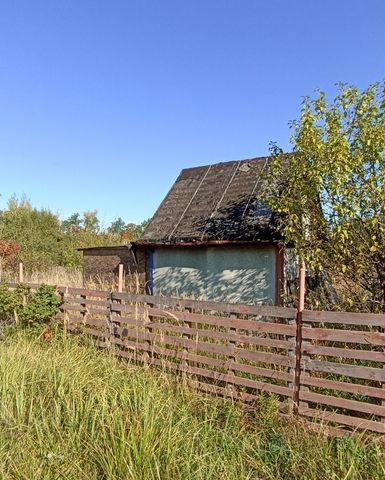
327 366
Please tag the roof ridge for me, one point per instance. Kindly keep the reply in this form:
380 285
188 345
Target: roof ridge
255 159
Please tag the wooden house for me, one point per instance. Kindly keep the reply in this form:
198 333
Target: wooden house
212 238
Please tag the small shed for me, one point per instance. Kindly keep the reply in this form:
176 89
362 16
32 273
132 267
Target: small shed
101 264
212 238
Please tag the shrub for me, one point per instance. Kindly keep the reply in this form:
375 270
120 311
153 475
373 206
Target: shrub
30 308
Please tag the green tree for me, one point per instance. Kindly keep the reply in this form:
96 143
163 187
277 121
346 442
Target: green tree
117 227
37 232
330 191
72 224
91 222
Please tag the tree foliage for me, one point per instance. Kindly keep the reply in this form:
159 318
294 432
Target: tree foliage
331 191
37 232
30 308
9 250
44 241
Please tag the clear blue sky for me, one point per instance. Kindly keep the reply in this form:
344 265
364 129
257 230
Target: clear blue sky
102 103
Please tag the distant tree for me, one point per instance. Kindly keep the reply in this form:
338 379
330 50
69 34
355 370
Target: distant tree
117 227
133 231
46 241
91 222
331 191
72 224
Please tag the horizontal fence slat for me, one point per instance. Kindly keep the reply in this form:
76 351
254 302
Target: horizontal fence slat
97 333
251 369
265 310
252 325
354 371
84 291
134 322
220 377
235 352
233 379
355 388
87 301
347 318
344 352
346 336
339 418
343 403
226 336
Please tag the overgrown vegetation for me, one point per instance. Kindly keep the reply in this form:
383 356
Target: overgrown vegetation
26 307
331 199
42 240
68 411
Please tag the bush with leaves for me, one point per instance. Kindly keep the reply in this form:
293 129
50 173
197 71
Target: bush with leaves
30 308
41 306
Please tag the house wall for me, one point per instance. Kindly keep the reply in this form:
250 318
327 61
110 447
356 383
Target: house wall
231 274
100 265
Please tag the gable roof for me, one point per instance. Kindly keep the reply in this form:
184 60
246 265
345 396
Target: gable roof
214 202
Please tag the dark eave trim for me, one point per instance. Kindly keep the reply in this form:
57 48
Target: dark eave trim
206 243
112 247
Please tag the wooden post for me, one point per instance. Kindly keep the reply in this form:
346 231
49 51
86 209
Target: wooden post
120 278
65 313
184 363
298 337
230 387
21 272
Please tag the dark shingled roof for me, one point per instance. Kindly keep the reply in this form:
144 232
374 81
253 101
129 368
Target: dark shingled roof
214 202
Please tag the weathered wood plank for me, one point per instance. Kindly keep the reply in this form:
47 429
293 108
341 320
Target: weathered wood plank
225 336
252 325
354 371
87 301
347 318
346 336
344 353
330 400
84 291
272 311
343 419
235 352
224 392
232 379
353 388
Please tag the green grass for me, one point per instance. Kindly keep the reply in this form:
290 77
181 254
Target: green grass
68 411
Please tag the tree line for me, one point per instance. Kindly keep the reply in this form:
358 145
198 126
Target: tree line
40 239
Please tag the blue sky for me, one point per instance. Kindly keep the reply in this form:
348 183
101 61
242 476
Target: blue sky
102 103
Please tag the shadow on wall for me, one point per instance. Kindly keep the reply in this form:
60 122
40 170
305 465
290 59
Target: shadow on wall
236 275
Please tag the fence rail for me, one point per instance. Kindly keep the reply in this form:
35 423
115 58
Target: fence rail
327 366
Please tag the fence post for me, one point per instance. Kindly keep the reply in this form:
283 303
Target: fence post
231 388
112 325
185 336
21 272
298 338
120 277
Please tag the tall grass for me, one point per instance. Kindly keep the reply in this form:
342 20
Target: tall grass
71 277
68 411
